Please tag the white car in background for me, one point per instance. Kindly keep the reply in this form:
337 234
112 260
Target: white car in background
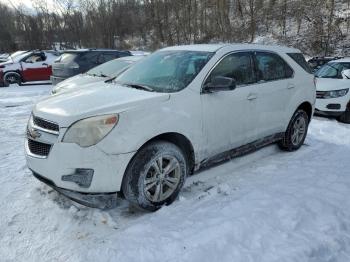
177 110
332 85
110 69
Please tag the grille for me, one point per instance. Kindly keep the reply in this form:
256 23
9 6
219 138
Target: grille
38 148
320 94
45 124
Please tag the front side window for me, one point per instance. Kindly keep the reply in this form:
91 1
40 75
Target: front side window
332 70
238 66
166 71
272 67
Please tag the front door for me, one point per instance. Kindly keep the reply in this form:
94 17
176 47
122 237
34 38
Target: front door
34 68
229 117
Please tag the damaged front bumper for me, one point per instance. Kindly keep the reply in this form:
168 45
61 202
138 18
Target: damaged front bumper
94 200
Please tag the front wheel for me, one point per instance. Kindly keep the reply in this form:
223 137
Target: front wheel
296 132
155 176
12 78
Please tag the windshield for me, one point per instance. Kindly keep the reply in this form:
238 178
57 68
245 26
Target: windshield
18 56
166 71
332 70
110 69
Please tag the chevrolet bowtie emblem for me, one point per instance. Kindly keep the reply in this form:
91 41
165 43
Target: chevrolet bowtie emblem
34 134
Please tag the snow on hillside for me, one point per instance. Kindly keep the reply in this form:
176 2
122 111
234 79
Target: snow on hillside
267 206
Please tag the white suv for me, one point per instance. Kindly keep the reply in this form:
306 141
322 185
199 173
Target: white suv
179 109
333 96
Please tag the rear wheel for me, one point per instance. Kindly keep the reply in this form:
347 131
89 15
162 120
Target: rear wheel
345 117
296 132
155 176
12 78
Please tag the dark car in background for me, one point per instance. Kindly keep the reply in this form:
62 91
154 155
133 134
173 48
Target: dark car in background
317 62
73 62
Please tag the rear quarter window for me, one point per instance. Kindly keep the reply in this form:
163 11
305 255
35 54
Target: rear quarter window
300 60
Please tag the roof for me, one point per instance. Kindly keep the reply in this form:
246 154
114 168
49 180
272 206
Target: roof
344 60
90 50
216 47
131 58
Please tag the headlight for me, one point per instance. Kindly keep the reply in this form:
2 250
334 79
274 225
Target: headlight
90 131
336 93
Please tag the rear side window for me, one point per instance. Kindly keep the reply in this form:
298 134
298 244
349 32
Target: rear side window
105 57
67 57
300 60
238 66
272 67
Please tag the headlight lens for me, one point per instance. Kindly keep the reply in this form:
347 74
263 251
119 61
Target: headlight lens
336 93
90 131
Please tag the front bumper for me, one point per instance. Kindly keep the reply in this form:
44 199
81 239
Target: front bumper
64 159
332 106
327 113
91 200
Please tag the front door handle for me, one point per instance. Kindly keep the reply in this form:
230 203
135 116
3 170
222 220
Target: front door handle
252 96
290 86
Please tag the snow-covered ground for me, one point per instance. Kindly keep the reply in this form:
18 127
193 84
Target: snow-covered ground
267 206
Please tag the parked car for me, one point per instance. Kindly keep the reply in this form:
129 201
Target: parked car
177 110
26 66
333 96
102 72
75 62
4 57
317 62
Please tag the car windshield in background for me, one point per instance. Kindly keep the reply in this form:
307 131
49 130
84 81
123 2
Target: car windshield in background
166 71
332 70
110 69
67 57
18 56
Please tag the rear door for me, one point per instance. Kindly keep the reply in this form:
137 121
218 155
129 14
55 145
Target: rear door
275 88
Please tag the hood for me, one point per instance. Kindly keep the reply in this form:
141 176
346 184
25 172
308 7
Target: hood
92 100
6 63
328 84
76 82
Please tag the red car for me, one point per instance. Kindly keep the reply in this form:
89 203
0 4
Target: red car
27 67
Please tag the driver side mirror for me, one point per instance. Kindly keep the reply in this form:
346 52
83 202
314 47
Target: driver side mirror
346 74
220 83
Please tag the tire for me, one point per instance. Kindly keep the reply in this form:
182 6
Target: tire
296 132
12 78
345 117
147 184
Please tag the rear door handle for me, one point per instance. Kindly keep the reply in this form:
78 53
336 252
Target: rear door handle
252 96
290 86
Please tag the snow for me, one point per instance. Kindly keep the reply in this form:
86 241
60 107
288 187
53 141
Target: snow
266 206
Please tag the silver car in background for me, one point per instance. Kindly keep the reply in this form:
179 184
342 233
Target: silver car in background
99 73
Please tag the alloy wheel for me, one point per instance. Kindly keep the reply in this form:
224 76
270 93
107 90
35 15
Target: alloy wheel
162 178
299 131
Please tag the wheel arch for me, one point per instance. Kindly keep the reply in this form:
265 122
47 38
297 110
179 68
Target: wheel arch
179 140
13 71
307 107
175 138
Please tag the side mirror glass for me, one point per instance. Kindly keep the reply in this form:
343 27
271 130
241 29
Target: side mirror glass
220 83
346 74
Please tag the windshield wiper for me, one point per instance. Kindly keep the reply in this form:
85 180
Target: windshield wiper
110 79
138 86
